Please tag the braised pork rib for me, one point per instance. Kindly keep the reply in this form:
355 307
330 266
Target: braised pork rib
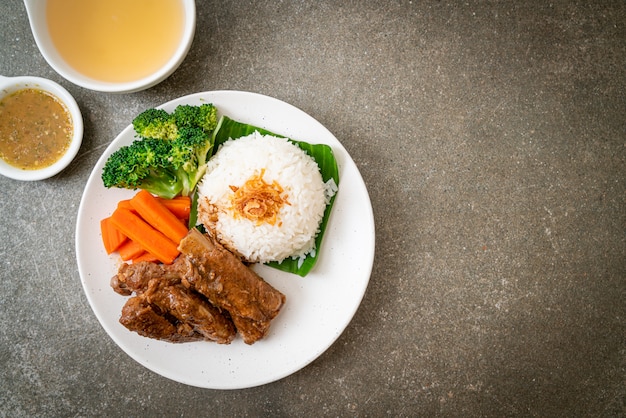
229 284
162 298
206 294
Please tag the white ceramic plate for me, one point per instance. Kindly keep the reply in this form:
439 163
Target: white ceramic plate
319 306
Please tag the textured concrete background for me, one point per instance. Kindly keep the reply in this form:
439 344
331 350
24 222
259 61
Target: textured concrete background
492 139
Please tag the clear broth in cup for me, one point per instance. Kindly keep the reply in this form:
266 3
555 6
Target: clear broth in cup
116 40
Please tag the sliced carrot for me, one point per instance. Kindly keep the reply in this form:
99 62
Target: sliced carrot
111 236
125 204
157 215
146 256
153 241
179 206
130 250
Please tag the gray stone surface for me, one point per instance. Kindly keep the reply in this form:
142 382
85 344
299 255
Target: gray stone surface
492 139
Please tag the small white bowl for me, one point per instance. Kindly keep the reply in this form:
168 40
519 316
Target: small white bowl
36 10
10 85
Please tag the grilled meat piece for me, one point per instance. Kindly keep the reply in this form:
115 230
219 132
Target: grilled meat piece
135 277
140 317
228 284
162 299
190 308
198 297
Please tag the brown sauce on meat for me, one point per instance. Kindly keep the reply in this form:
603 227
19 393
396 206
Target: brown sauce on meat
35 129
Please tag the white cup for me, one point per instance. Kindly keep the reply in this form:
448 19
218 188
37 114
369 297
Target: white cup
36 10
9 85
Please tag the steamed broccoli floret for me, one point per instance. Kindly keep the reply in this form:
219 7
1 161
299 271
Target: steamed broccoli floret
203 116
189 154
155 123
144 164
170 155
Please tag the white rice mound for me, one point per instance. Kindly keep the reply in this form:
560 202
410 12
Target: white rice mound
235 162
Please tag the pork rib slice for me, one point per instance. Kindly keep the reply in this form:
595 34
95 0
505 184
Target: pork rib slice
135 277
161 293
190 308
229 284
139 316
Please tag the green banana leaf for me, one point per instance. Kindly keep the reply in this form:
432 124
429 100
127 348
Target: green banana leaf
322 154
